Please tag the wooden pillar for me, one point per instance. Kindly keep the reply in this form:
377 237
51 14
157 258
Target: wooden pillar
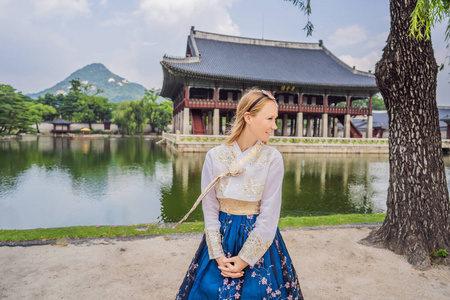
329 127
210 127
347 120
316 126
216 97
308 126
324 125
369 129
320 130
186 96
300 101
174 123
299 125
186 129
284 125
180 120
348 104
335 126
293 127
216 122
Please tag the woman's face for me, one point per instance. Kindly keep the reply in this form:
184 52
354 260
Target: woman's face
264 122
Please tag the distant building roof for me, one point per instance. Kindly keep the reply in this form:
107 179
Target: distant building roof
230 58
444 115
61 121
381 119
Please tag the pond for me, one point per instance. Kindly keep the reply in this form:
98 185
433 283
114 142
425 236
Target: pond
54 182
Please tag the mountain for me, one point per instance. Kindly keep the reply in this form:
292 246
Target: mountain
115 88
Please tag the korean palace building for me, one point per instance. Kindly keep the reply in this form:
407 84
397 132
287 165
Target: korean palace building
306 78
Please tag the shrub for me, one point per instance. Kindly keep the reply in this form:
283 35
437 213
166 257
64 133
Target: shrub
440 253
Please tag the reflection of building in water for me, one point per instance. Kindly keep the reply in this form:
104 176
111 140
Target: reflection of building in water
187 164
61 144
336 183
85 146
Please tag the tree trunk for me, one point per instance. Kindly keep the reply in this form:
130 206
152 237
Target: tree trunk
37 127
417 219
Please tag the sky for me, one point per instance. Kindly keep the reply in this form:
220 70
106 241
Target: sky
44 41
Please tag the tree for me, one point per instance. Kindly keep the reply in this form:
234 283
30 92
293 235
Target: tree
130 117
80 104
164 114
53 101
92 109
417 220
378 103
14 112
158 115
39 111
418 217
151 107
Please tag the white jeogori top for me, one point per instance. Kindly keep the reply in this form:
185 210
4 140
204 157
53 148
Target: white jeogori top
261 180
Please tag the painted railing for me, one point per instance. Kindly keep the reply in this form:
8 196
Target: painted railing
276 140
286 140
283 107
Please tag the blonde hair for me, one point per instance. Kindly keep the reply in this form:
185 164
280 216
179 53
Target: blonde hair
246 101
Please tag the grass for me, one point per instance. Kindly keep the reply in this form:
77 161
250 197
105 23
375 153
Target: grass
152 229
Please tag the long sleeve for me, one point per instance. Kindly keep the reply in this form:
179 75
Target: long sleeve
210 206
263 234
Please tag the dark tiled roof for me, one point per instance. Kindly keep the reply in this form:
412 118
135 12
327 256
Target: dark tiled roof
444 115
277 62
61 121
380 119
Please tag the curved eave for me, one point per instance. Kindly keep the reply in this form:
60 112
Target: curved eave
373 89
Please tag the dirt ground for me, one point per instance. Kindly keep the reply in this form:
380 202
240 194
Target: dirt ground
329 262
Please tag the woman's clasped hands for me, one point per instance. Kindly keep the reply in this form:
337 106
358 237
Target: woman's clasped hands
231 267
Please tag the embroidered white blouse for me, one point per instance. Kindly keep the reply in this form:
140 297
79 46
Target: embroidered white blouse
261 180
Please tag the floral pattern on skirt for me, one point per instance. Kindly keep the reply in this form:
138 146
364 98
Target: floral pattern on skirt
272 277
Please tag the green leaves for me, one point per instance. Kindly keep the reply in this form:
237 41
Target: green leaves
15 114
305 6
159 115
133 116
130 117
426 15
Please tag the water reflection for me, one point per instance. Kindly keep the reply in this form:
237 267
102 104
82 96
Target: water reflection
50 182
332 183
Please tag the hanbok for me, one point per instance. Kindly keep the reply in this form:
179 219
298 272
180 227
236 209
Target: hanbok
241 219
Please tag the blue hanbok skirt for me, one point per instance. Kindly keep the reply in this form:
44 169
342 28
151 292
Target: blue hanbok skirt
272 277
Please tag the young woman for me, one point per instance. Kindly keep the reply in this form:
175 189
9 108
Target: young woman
242 254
